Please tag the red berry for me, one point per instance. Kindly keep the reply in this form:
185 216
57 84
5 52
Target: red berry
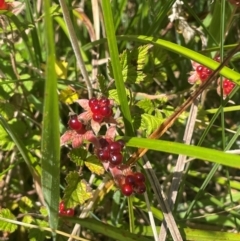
105 111
228 86
103 142
208 71
218 59
92 102
140 188
122 143
82 130
139 177
96 109
199 69
203 76
103 154
74 123
130 179
127 189
62 213
104 101
61 206
115 147
97 117
70 212
115 158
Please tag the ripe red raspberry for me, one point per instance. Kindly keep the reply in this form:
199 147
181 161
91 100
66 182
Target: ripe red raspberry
130 179
115 158
227 86
74 123
95 109
92 102
122 143
127 189
139 177
70 212
103 142
140 188
203 76
104 101
115 146
97 117
199 69
105 111
61 206
103 154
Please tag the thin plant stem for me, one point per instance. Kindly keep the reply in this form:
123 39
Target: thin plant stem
75 46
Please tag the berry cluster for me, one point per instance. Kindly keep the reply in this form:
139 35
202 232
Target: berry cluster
65 212
204 72
110 151
75 124
133 183
227 86
101 108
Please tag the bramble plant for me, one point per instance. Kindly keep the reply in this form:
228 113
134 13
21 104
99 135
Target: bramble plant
119 120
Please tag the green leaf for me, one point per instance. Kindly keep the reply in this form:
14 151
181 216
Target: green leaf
146 105
43 211
94 165
77 190
132 62
114 95
116 66
27 219
202 153
36 235
6 226
150 123
78 156
25 204
50 131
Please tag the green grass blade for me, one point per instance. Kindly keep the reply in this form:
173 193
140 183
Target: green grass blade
50 134
190 54
21 147
192 151
116 66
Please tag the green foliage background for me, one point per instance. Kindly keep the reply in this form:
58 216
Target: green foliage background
132 53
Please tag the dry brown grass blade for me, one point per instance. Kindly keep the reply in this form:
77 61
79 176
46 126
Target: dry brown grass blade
169 121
